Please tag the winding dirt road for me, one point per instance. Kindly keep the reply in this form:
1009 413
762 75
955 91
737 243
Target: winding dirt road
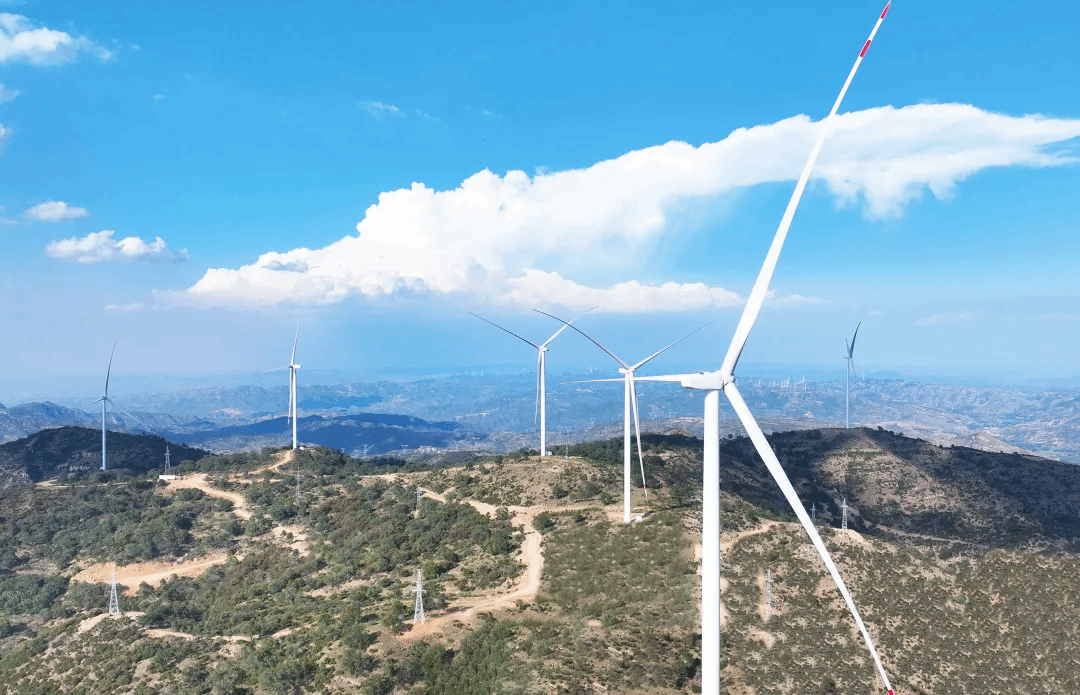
526 587
198 481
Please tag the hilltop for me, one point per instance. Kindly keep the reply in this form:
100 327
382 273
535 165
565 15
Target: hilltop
894 484
533 584
64 452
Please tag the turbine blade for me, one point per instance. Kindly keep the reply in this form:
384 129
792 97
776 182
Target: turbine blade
853 366
666 377
659 352
109 371
536 410
292 378
778 474
851 352
613 355
565 325
146 427
593 381
101 399
504 329
847 349
637 431
761 285
292 360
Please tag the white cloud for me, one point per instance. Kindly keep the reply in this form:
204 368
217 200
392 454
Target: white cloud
537 288
516 238
124 308
7 94
97 247
379 110
21 41
54 211
1060 317
5 133
948 319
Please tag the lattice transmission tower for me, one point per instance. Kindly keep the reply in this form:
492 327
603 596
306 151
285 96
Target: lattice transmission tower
768 593
418 611
114 600
843 515
166 460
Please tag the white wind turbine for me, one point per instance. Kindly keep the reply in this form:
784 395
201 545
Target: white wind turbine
104 400
724 380
629 404
849 367
292 367
541 378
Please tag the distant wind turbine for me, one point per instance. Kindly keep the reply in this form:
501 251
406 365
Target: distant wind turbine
849 367
104 400
629 404
292 367
724 380
541 378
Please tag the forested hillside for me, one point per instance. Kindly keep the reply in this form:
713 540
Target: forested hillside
294 572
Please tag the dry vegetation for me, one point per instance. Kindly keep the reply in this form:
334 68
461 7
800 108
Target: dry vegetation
956 604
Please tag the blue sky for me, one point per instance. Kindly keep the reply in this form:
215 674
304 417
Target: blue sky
943 213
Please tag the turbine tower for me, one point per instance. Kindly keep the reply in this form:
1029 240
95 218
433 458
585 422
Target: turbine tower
292 367
104 400
849 367
724 380
541 377
629 404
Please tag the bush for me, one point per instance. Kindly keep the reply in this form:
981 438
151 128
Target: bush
543 522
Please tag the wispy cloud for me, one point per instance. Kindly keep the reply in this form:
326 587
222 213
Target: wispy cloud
124 308
54 211
378 110
947 319
98 247
7 94
1060 317
512 238
21 41
5 133
159 97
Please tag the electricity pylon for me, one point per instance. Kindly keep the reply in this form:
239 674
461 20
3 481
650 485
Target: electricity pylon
114 601
418 611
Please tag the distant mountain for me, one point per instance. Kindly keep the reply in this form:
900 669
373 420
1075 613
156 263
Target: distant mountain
373 433
68 451
897 485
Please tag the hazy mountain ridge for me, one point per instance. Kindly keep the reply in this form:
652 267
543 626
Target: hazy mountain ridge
64 451
501 411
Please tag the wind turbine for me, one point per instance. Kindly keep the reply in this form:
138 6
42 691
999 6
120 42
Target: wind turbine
724 380
849 367
104 400
541 379
292 367
629 403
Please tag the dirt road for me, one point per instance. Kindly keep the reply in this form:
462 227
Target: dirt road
526 587
199 482
153 573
